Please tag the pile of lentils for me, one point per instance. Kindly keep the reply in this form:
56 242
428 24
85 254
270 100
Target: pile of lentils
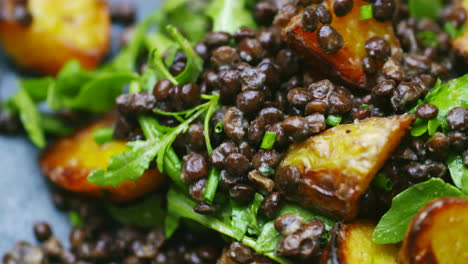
99 239
266 88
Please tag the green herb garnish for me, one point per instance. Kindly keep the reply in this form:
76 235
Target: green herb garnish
428 38
393 225
383 183
268 140
425 8
445 96
366 12
453 31
75 219
333 120
103 135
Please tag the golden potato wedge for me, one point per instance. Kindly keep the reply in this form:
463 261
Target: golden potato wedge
438 234
346 64
352 243
60 31
69 161
338 165
460 44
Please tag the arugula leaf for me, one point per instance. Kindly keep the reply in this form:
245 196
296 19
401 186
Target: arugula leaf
244 218
425 8
180 205
230 15
30 117
453 31
194 65
146 213
36 88
445 97
393 224
128 165
458 172
54 126
99 94
75 219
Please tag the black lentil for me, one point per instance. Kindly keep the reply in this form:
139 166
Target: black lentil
329 40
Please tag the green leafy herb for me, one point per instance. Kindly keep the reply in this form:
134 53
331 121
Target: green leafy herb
30 117
146 213
244 218
458 172
54 126
366 12
75 219
393 225
425 8
365 106
103 135
181 206
268 140
230 15
194 65
131 164
453 31
445 96
333 120
211 185
428 38
383 183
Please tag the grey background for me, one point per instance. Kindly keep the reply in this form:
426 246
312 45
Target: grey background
24 196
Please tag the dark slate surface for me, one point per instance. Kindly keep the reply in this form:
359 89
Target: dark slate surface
24 195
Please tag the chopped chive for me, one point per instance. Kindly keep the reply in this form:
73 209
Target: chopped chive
428 38
453 31
103 135
266 170
269 140
333 120
365 106
383 183
211 185
219 127
366 12
75 219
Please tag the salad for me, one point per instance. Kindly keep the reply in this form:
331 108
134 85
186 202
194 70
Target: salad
244 131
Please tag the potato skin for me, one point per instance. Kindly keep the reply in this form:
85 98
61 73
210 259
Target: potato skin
346 64
352 243
59 32
438 234
69 161
338 165
460 44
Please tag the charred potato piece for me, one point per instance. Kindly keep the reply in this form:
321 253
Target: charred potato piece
352 243
69 161
460 44
346 64
338 165
58 32
438 234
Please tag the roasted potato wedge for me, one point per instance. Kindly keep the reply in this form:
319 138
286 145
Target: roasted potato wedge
60 31
460 44
352 243
69 161
438 234
346 64
338 165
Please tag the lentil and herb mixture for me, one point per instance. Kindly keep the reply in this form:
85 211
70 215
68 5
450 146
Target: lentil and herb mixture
221 118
